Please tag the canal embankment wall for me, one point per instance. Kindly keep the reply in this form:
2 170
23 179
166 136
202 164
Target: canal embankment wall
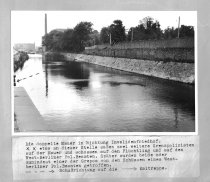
177 71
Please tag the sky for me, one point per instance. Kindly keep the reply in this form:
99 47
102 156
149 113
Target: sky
28 26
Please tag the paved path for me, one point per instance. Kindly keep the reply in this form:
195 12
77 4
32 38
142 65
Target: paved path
28 118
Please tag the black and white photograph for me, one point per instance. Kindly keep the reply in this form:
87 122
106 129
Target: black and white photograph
104 71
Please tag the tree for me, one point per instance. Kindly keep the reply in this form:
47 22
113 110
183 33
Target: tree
147 22
47 41
52 40
104 35
117 31
137 32
170 33
81 34
147 29
185 31
67 40
94 39
152 28
72 40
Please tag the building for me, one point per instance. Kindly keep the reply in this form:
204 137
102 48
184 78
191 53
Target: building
26 47
39 50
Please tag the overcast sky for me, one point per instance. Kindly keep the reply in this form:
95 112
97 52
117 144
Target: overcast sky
28 26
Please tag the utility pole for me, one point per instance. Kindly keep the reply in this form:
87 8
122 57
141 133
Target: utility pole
44 49
178 26
46 65
110 38
45 24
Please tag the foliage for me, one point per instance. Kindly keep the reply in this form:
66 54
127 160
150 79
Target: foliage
104 35
71 40
75 40
185 31
150 29
81 35
19 59
94 39
170 33
66 40
117 31
147 29
52 40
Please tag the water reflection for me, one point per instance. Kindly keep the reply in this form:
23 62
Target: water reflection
77 73
46 78
85 97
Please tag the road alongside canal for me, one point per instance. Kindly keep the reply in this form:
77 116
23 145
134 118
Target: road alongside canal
27 117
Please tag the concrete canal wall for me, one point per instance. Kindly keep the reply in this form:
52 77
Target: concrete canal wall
177 71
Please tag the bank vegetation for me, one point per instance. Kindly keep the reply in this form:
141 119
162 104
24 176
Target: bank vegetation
19 59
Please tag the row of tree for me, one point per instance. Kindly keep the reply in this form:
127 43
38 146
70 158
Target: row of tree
68 40
75 40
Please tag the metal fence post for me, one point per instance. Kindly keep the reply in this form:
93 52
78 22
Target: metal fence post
14 80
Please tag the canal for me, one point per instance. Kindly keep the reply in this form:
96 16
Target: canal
82 97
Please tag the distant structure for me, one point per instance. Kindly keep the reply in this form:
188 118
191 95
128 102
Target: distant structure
26 47
39 50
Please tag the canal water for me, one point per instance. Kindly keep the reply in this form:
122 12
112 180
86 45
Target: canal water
82 97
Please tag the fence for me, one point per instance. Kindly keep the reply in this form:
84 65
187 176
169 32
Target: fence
177 50
171 43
